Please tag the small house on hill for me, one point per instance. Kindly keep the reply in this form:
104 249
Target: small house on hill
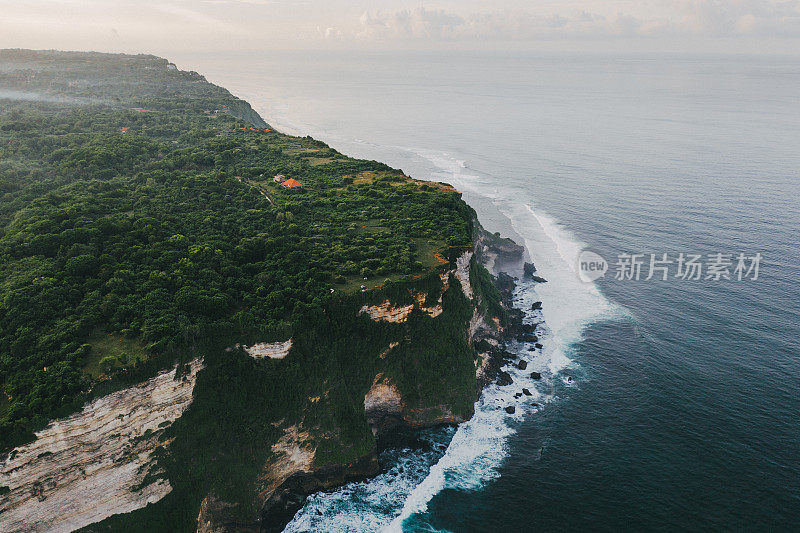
280 178
292 183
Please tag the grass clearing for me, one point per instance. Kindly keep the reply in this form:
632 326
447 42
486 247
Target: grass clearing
127 351
316 161
428 252
355 282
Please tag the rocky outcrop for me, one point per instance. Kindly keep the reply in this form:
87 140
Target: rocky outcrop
491 248
461 273
292 474
504 378
290 496
386 411
389 312
528 269
97 462
292 453
384 406
273 350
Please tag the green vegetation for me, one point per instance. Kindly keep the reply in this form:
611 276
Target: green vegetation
107 353
140 227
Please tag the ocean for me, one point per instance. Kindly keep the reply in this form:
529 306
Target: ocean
665 404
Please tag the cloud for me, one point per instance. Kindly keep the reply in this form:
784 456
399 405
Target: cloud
203 25
697 18
740 17
417 23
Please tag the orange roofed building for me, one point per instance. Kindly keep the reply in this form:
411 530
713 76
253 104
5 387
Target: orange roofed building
292 183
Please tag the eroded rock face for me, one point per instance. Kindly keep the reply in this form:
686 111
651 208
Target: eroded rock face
293 453
86 467
387 312
462 273
383 406
386 411
493 249
292 474
273 350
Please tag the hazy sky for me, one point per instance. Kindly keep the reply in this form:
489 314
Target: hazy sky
181 26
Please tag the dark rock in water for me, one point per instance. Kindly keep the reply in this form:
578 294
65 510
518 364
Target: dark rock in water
536 305
527 333
504 282
522 365
532 349
508 356
534 404
538 279
538 345
503 379
536 375
319 512
526 392
517 395
511 409
528 269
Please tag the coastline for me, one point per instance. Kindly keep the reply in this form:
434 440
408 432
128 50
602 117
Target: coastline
395 426
565 306
505 385
432 341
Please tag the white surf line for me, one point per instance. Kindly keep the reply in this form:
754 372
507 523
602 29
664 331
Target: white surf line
569 305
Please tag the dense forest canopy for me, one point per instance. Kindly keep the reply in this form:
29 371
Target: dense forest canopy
139 220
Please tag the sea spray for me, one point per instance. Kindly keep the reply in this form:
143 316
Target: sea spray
371 505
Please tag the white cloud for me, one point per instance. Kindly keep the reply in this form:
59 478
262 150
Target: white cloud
699 18
200 25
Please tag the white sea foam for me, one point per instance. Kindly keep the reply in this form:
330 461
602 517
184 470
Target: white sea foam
371 505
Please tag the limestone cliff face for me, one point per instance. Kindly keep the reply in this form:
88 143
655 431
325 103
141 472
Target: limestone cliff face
385 410
95 463
493 250
383 404
260 350
386 311
291 474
